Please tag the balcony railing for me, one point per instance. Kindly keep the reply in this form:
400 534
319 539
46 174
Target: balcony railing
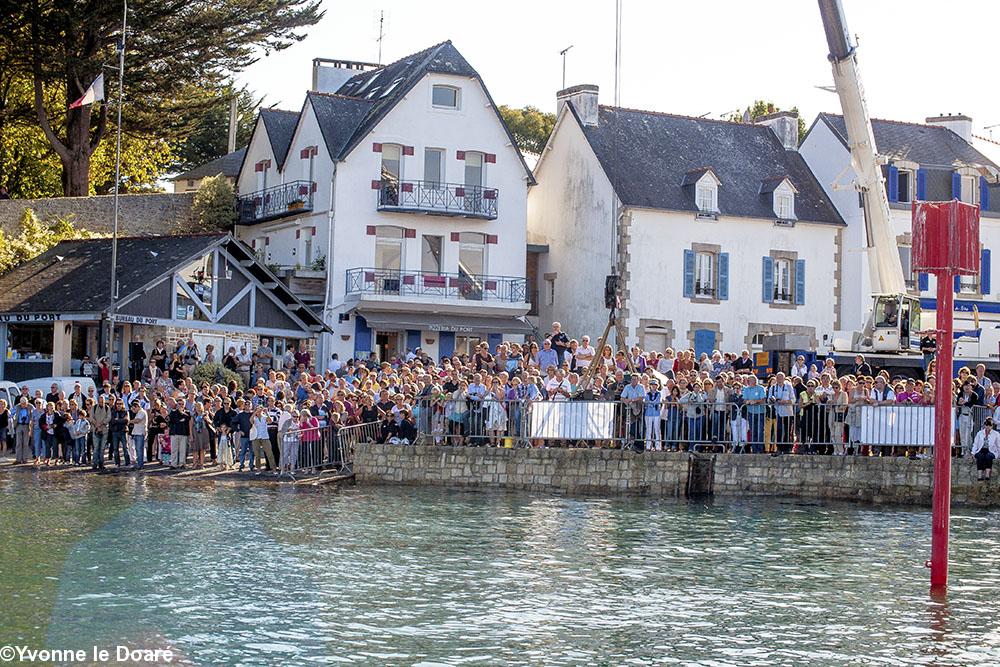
425 284
275 202
436 198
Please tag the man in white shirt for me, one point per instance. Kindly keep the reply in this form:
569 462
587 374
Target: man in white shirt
558 387
985 449
881 393
584 353
782 396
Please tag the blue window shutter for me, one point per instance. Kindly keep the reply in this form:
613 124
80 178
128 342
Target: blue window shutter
446 344
800 282
956 185
688 274
958 284
984 194
922 184
723 276
767 280
984 272
893 176
362 338
923 284
494 341
412 339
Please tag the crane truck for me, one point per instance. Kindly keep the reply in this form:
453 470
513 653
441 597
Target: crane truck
890 337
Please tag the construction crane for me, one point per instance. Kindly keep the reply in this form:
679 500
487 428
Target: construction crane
893 323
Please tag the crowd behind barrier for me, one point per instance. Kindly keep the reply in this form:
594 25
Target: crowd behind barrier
285 415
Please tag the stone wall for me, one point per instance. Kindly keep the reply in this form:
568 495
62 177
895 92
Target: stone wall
614 472
573 471
155 214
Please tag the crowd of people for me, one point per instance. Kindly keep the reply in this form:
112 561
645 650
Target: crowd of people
664 400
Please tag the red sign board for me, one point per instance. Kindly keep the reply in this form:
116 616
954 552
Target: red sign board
945 237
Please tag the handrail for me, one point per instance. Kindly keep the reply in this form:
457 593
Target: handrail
274 202
391 282
437 197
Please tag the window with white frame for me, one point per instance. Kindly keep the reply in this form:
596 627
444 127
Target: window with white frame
446 97
904 185
433 167
388 248
970 189
783 281
707 196
704 274
968 284
905 261
784 204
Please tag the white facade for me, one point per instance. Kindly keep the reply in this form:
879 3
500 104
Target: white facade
572 210
375 260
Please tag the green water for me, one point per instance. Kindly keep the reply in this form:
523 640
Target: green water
237 575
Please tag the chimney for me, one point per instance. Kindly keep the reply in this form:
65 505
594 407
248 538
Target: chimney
329 75
960 124
785 125
584 99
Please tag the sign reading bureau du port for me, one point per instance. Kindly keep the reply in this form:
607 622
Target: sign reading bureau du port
30 317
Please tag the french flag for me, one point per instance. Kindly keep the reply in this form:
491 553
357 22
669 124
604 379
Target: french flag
94 94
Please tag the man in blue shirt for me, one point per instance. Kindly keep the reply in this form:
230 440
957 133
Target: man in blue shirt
753 397
547 356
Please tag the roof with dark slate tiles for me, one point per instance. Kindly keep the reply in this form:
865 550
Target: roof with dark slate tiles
280 125
648 155
931 145
227 165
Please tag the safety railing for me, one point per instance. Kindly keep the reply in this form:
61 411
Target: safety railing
434 197
322 447
371 282
818 426
275 202
350 436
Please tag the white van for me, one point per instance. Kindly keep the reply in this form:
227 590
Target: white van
65 383
9 391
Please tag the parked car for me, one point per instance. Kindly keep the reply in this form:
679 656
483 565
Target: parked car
65 383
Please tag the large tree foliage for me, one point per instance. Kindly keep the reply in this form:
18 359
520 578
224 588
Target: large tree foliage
531 128
172 46
213 205
762 108
208 135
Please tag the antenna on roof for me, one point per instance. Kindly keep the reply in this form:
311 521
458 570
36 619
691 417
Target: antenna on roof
381 33
990 128
563 54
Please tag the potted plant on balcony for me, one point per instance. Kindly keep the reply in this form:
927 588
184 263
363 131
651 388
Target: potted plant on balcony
297 204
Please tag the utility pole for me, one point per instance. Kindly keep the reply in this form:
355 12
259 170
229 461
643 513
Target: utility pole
563 54
118 167
232 124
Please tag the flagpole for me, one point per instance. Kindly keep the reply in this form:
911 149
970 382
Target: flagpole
118 167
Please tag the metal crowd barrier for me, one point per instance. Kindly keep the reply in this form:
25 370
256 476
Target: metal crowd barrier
816 427
323 447
349 436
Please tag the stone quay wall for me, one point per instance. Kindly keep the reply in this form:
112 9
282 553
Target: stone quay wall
154 214
616 472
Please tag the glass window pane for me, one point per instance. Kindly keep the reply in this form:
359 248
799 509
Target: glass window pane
432 166
445 96
388 255
430 259
473 169
390 162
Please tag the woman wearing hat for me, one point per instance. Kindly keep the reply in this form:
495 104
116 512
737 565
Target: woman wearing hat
986 448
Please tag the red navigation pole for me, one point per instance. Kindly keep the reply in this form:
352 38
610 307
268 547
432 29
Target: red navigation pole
946 244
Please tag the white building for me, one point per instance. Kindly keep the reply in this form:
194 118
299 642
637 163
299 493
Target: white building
935 161
725 235
396 202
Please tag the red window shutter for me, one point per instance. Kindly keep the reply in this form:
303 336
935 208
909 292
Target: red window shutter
253 244
315 150
459 155
259 166
370 230
491 238
376 185
376 147
313 187
304 153
267 164
489 194
267 240
303 189
313 232
491 158
406 187
298 234
410 233
407 150
459 192
455 236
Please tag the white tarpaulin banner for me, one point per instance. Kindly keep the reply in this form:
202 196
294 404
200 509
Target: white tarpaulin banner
897 425
572 420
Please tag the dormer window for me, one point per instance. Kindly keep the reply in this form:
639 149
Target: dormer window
707 193
445 97
784 200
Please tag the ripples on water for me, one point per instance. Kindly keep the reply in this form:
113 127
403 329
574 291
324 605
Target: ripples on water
424 576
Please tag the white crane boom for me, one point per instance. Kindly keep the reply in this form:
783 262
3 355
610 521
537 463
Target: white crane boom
885 270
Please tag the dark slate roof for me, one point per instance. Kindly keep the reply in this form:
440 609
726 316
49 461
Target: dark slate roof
692 176
931 145
80 281
646 156
280 127
338 117
74 276
227 165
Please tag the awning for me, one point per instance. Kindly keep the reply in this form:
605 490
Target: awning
453 323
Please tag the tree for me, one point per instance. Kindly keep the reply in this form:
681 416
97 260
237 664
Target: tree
172 46
214 205
34 238
762 108
531 128
207 134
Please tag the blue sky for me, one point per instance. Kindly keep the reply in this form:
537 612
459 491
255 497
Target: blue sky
918 58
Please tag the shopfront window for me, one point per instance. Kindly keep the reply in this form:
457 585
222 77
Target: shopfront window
29 341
